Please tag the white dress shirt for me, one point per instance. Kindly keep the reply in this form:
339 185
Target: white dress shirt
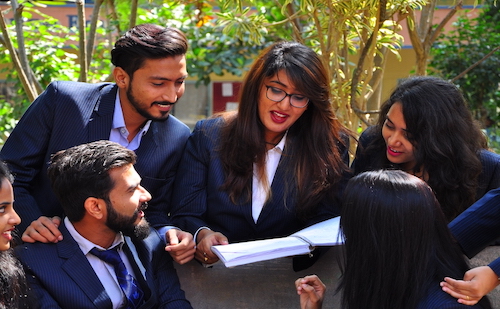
104 271
260 192
119 132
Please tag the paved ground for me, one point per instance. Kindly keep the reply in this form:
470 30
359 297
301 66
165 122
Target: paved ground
270 284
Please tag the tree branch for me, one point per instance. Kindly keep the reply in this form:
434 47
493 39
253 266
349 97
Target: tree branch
80 5
93 30
475 64
28 87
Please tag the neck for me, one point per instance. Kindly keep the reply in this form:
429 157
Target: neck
274 140
96 234
133 120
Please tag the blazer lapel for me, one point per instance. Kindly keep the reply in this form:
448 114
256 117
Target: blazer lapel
78 268
280 187
101 119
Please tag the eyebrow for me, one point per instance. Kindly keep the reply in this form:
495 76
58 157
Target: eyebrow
167 79
278 82
387 118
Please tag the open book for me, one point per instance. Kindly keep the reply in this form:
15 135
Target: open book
325 233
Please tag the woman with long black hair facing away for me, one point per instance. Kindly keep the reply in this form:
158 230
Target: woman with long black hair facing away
397 247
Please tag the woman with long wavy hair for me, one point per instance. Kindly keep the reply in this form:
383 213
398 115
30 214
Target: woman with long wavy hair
426 129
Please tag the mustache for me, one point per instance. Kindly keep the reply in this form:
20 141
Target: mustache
143 206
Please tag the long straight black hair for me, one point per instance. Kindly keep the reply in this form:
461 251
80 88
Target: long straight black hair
314 143
397 242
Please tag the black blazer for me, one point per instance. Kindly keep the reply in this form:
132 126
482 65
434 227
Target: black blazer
67 114
62 277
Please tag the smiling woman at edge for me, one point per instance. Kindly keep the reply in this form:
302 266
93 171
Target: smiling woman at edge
277 165
13 288
426 129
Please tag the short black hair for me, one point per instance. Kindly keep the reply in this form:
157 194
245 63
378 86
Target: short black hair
82 171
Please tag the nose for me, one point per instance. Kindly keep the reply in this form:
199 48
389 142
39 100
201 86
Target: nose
170 93
286 102
395 139
14 218
145 195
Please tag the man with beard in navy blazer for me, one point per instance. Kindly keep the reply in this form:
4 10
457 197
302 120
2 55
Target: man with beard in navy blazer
103 200
150 70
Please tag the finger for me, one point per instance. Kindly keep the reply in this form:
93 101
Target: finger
27 238
184 258
468 302
31 235
56 220
45 228
459 295
171 236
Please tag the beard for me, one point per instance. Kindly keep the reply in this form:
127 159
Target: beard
120 223
141 107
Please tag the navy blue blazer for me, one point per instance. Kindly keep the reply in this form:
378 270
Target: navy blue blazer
436 298
488 179
478 226
67 114
198 200
62 277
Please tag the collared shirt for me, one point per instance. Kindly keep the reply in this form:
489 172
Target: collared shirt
104 271
260 192
119 132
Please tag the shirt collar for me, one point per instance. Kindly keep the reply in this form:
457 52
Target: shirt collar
86 245
281 145
119 121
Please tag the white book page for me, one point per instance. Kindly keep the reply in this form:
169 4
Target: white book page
260 250
324 233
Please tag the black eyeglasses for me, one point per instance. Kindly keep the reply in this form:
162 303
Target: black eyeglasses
277 95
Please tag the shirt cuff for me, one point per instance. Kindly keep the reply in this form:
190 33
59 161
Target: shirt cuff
196 234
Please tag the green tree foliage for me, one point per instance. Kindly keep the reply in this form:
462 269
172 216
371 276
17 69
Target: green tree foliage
211 52
53 51
352 37
471 41
48 56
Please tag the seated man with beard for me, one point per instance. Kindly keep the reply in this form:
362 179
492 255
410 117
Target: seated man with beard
109 256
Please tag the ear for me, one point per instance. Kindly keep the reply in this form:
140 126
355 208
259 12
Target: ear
95 207
122 79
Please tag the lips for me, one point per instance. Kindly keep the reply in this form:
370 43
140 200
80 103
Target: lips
278 117
393 152
8 234
164 107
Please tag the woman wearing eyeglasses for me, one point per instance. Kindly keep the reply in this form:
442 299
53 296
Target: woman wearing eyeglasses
275 166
